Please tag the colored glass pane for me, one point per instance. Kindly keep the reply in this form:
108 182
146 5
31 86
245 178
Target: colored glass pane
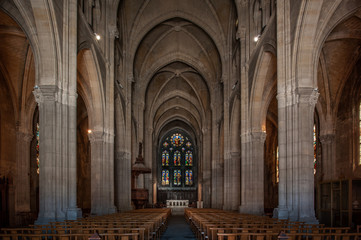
277 167
177 140
190 177
177 177
165 144
167 177
165 158
37 148
177 158
314 149
188 144
163 177
188 158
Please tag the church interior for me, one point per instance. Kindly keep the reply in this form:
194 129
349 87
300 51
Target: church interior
245 106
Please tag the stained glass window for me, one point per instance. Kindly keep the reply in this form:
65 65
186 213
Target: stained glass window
37 149
176 161
189 158
189 177
177 139
277 167
314 149
165 177
165 158
177 158
177 177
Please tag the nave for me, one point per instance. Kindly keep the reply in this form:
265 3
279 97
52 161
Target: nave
210 224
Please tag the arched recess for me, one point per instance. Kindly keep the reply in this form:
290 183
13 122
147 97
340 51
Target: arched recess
263 122
337 73
177 165
271 169
262 89
83 158
90 130
17 79
91 88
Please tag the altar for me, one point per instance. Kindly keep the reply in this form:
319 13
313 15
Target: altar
177 206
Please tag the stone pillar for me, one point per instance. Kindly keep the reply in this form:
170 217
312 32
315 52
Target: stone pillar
205 164
46 99
235 172
108 173
102 188
257 170
253 174
282 212
306 105
57 177
327 166
245 206
123 181
70 159
285 116
22 184
96 153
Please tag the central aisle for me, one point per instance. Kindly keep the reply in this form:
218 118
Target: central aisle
177 229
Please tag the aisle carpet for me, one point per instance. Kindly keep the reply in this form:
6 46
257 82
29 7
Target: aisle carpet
178 228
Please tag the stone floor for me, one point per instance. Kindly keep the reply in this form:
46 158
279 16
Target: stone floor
178 228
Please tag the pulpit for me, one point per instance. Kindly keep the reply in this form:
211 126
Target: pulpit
140 196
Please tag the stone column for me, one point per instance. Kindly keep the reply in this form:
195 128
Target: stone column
253 173
102 188
282 211
70 171
96 153
306 105
245 206
108 173
22 189
327 165
69 112
46 98
257 170
205 164
285 116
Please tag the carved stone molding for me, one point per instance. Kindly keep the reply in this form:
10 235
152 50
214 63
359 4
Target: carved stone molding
113 30
258 136
308 96
45 93
281 98
96 136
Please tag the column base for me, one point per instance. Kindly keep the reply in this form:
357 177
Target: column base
112 209
280 213
309 220
73 213
251 209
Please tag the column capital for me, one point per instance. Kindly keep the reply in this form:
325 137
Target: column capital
113 31
45 93
96 136
308 95
258 136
